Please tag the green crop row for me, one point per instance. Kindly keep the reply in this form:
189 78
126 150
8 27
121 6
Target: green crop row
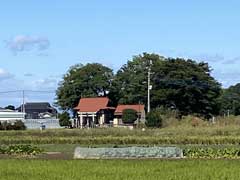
212 153
120 132
125 140
20 150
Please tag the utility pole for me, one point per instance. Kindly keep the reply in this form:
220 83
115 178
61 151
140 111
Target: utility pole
149 85
23 103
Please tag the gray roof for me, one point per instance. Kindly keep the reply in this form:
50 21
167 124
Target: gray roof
37 105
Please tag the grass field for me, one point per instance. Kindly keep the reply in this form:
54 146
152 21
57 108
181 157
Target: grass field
61 166
119 169
175 135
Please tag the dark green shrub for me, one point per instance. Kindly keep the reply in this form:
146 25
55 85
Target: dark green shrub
1 126
154 119
64 119
129 116
18 125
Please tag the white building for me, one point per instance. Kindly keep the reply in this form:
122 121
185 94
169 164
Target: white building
11 116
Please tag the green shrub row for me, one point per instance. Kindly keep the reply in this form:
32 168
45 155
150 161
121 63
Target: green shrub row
209 152
122 132
20 150
17 125
125 140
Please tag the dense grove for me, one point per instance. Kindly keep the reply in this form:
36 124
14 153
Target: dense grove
183 85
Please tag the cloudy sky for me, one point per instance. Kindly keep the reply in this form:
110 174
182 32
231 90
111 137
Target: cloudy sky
41 39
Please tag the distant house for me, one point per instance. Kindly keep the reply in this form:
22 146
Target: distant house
139 108
38 110
93 112
10 115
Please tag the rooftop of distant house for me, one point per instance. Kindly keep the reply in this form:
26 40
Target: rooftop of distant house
93 104
36 105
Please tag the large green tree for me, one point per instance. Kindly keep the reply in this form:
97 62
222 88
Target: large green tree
184 85
130 82
230 100
90 80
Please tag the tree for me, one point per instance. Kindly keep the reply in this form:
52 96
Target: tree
64 119
130 83
154 119
179 84
186 86
90 80
129 116
230 100
10 107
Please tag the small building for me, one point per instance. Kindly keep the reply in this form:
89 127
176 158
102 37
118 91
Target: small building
10 115
38 110
139 108
92 112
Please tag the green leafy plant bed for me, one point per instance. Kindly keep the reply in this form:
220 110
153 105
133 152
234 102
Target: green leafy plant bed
20 150
212 152
127 152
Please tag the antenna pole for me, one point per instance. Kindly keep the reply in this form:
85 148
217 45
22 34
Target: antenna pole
23 106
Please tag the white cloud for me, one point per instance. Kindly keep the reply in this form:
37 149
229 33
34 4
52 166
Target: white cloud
28 75
232 61
227 77
5 75
209 58
22 43
45 84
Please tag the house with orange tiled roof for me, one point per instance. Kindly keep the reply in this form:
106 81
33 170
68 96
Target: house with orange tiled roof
92 112
139 108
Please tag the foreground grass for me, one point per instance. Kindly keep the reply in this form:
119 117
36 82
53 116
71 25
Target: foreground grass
119 169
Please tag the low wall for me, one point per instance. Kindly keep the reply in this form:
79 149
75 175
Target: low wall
36 123
128 152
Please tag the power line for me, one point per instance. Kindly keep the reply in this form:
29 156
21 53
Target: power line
4 92
31 91
35 91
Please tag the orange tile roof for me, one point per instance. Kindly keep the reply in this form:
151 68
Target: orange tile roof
136 107
92 104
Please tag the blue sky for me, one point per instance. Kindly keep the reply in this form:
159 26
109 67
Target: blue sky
40 40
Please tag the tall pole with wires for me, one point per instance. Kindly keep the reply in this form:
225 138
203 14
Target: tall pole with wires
23 101
23 104
149 86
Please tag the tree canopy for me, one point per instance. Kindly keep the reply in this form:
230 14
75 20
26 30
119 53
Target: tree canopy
230 100
10 107
130 82
90 80
186 86
183 85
